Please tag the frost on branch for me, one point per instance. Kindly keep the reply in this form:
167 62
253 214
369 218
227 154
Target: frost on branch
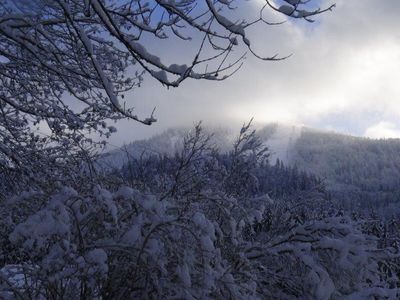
297 9
67 65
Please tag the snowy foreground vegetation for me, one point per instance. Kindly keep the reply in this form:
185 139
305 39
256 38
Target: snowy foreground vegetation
197 224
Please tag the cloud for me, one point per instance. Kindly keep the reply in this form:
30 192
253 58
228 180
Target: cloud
383 130
344 67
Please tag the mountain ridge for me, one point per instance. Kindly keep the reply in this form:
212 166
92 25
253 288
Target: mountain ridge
358 171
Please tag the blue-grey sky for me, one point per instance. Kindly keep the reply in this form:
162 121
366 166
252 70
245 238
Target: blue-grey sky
343 76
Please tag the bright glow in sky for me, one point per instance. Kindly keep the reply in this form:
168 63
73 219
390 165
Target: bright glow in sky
343 75
383 130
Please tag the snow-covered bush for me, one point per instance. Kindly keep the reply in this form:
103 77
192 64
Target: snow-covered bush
128 244
121 245
188 234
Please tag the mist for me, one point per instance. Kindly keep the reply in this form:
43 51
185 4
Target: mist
342 76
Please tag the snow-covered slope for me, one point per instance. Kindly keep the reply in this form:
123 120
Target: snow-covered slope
280 139
167 142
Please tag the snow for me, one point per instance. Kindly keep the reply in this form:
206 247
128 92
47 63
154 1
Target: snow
14 275
98 258
202 222
105 197
40 228
286 9
199 224
126 192
184 275
207 243
283 141
178 69
160 75
144 54
132 236
293 2
228 24
235 28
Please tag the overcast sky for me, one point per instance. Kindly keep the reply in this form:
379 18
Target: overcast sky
343 76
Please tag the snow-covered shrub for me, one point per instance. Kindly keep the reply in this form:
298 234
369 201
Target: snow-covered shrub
122 245
194 231
128 244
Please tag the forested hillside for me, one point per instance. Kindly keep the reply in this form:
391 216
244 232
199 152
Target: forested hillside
359 172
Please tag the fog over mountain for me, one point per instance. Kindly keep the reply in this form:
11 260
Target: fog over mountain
358 171
342 76
111 188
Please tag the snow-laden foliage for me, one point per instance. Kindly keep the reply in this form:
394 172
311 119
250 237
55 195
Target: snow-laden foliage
65 67
194 232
